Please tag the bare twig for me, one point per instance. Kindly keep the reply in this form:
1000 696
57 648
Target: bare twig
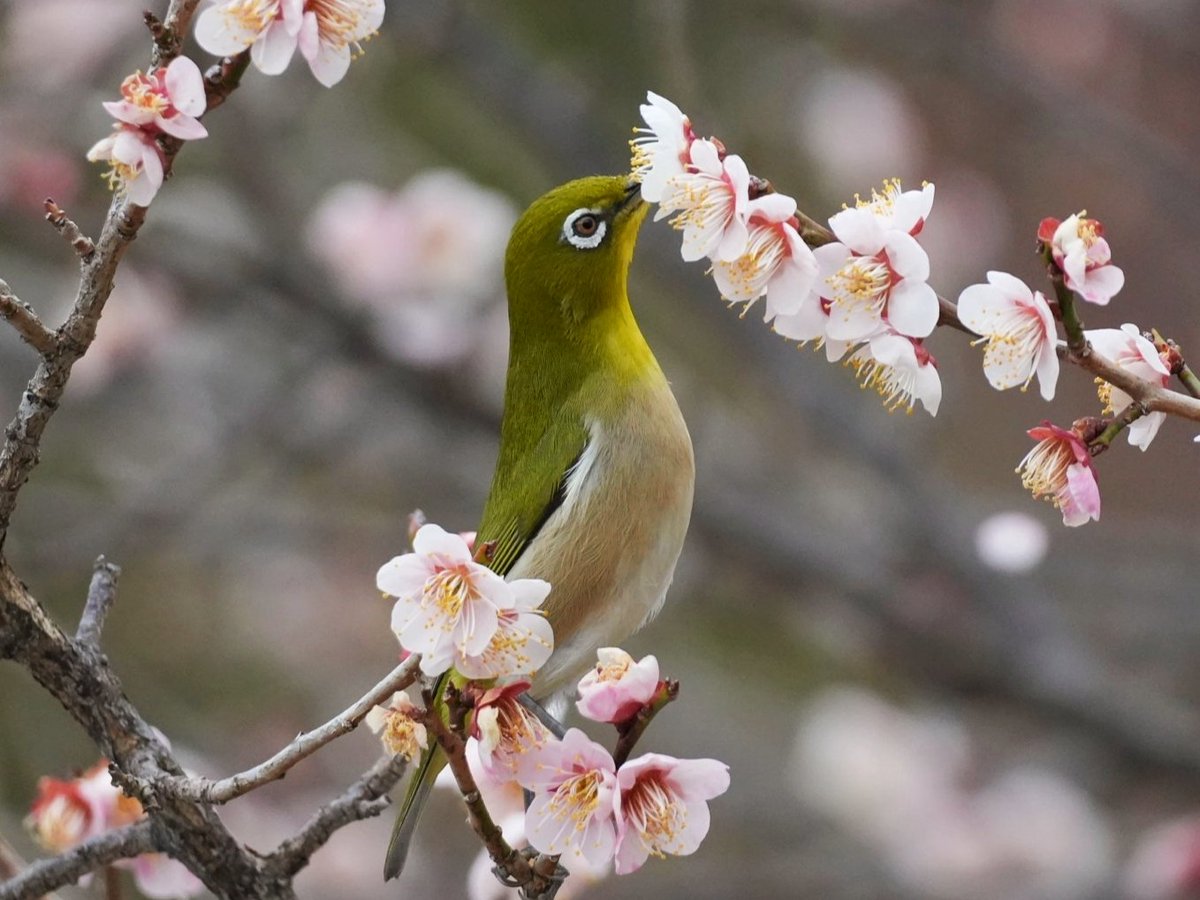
632 730
102 592
365 798
83 245
305 745
67 868
20 316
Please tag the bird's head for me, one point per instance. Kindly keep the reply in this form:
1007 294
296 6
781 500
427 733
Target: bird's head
569 253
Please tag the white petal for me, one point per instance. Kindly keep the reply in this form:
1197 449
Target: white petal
433 539
913 308
185 86
859 229
330 64
1142 432
273 51
1047 370
906 256
214 32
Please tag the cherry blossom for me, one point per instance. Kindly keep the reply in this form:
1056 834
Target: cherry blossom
900 369
1126 347
710 201
397 726
1019 329
1078 247
574 781
875 272
506 730
166 99
135 160
1059 469
776 261
617 687
661 150
662 806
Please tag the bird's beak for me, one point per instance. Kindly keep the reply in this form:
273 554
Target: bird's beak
632 198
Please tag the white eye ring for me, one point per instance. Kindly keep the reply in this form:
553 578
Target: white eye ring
584 241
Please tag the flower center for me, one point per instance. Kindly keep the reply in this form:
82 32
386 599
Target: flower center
655 812
1043 471
894 385
577 799
252 16
339 22
448 590
862 282
145 93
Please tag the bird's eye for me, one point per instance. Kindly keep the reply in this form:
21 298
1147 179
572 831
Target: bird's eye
584 229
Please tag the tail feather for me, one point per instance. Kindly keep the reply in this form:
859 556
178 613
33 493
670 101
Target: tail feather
432 762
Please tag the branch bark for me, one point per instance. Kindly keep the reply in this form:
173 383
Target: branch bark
45 875
24 320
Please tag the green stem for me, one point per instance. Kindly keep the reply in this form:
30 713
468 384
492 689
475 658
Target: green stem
1190 382
1104 439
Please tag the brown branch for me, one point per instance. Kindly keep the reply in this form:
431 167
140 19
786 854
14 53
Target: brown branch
631 730
206 791
102 593
24 320
365 798
45 875
83 245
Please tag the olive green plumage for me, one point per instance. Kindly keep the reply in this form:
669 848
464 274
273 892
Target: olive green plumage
593 482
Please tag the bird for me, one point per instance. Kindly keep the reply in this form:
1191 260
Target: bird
594 477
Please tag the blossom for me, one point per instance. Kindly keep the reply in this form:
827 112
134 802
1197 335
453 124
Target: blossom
573 812
445 601
710 201
875 272
662 806
325 32
776 261
166 99
1126 347
1059 468
1079 249
1019 329
506 730
900 369
616 687
1011 542
523 639
136 163
159 877
397 726
64 814
660 151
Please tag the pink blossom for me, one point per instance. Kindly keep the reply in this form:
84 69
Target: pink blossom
616 687
331 29
1078 247
1126 347
166 99
574 781
660 150
506 731
64 814
1059 469
136 163
1019 329
710 200
662 806
1166 862
523 639
397 726
159 877
776 261
900 369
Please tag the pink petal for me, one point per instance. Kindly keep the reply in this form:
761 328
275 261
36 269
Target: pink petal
700 779
185 86
293 15
273 51
1083 500
1099 285
913 308
632 853
330 64
308 38
124 111
183 127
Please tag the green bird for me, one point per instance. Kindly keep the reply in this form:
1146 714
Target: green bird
593 485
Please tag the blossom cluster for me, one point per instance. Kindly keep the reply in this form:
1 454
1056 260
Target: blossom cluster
164 101
66 813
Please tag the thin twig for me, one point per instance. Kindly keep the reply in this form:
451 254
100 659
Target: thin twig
634 728
102 593
83 245
365 798
47 874
226 789
24 320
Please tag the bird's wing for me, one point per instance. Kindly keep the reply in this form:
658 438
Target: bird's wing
528 486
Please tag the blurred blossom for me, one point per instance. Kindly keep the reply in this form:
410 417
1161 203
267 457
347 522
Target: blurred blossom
973 225
898 782
1011 542
39 30
425 263
857 124
31 169
1069 41
397 726
1166 862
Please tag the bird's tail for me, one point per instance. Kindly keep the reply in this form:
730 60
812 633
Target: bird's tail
432 762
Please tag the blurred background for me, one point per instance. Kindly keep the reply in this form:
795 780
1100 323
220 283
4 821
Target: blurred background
924 685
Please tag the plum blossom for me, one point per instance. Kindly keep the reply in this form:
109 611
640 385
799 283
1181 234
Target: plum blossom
710 201
64 814
523 639
136 163
167 99
660 150
617 687
398 727
1059 469
1011 542
1079 249
574 781
1165 864
900 369
1019 329
875 272
662 806
776 261
159 877
325 32
506 730
1126 347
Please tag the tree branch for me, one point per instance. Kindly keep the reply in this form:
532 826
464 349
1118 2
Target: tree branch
24 320
45 875
65 226
102 593
206 791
